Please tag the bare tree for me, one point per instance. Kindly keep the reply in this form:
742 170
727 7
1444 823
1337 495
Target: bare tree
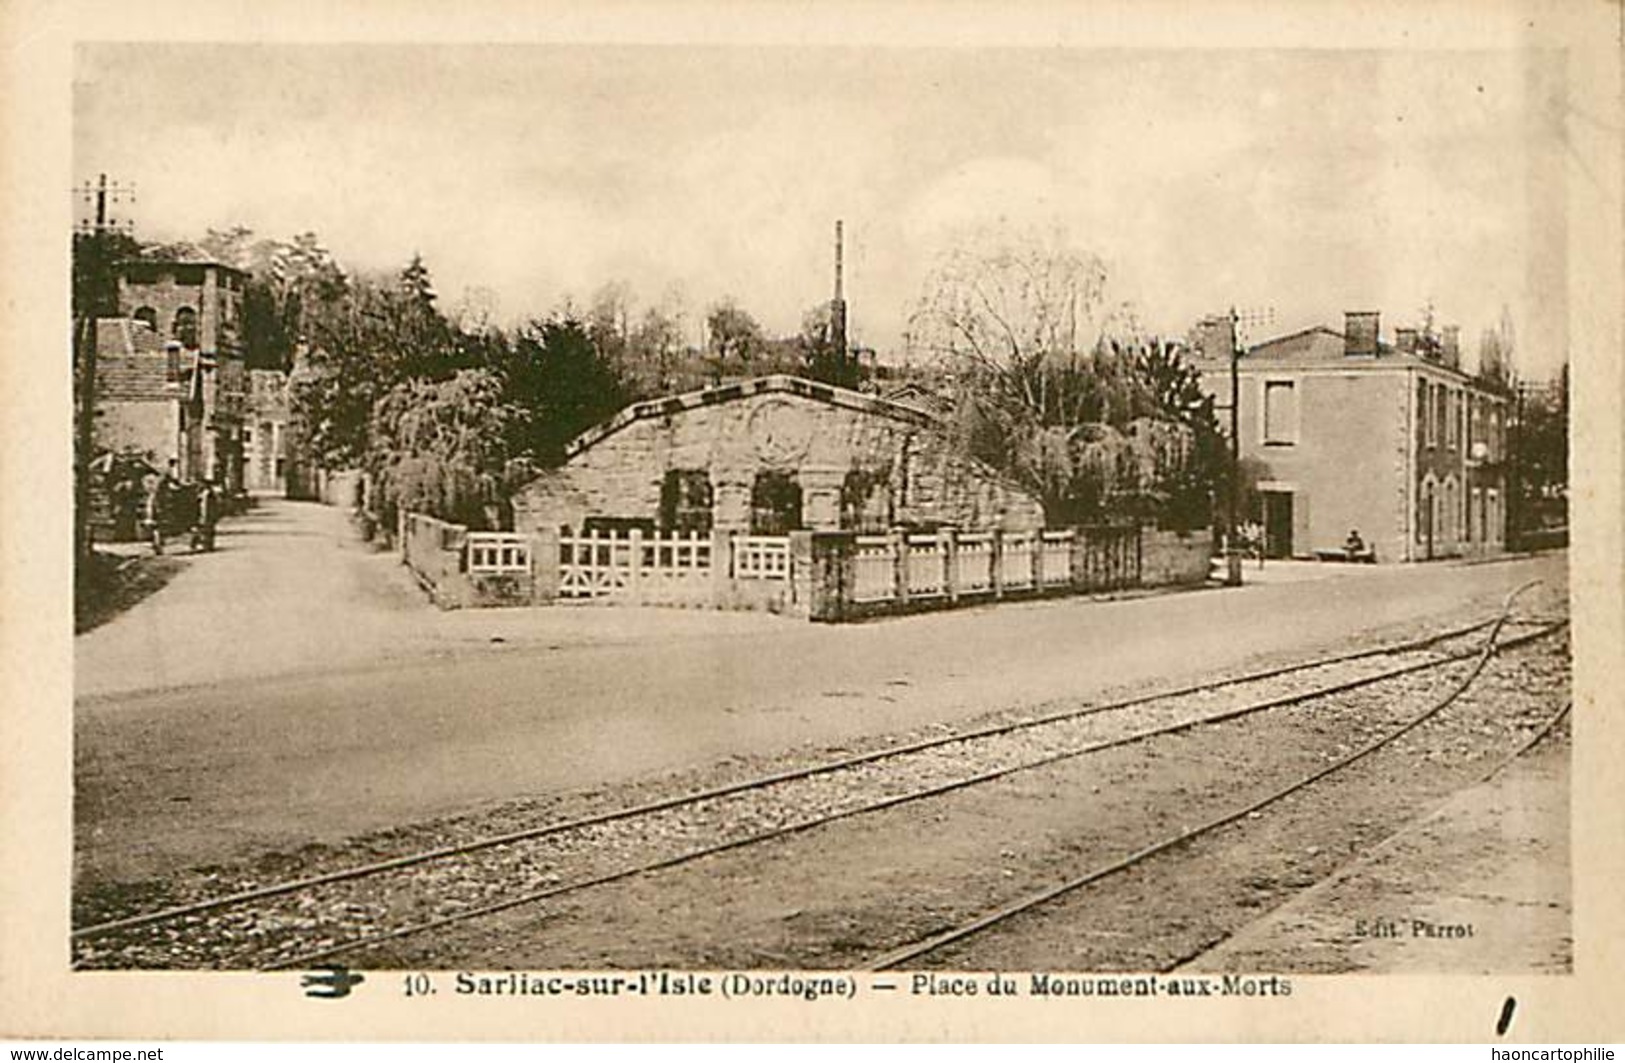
1054 390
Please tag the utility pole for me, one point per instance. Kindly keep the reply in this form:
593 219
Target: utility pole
1515 470
94 261
837 309
1232 501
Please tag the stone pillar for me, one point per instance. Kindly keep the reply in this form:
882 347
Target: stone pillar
1080 560
544 565
998 563
730 506
635 580
821 497
722 568
830 593
897 543
800 590
948 543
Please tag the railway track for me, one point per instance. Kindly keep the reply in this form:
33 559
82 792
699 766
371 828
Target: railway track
911 953
314 919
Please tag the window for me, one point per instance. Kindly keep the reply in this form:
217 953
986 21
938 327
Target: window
185 327
148 316
865 501
1280 413
685 502
1424 412
775 504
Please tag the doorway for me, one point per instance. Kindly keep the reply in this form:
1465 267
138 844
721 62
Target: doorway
1277 523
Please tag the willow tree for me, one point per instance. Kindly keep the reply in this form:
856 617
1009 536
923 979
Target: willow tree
1055 389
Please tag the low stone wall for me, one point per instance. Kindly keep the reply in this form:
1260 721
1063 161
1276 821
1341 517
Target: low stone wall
433 550
438 554
1170 558
342 488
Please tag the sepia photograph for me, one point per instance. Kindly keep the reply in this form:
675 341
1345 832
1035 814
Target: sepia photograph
803 520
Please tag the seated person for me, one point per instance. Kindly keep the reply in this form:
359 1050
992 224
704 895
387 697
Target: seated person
1354 546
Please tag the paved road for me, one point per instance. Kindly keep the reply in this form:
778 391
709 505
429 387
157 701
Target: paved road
324 699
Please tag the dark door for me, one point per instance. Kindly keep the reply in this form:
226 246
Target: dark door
1429 516
1278 524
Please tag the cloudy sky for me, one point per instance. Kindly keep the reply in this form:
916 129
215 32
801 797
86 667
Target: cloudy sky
1309 181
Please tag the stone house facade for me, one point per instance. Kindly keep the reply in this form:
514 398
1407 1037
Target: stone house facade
147 403
1345 432
177 339
768 456
265 431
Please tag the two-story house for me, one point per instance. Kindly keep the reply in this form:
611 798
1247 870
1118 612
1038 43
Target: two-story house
1341 432
172 383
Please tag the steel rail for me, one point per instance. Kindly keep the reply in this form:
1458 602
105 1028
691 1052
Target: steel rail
519 900
792 775
1529 744
1005 912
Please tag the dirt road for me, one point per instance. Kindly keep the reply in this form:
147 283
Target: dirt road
325 699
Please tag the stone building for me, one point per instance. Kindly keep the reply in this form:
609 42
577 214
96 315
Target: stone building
767 456
147 405
178 340
1343 432
265 431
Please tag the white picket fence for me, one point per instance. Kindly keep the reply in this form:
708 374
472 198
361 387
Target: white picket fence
887 568
874 569
761 557
498 553
662 568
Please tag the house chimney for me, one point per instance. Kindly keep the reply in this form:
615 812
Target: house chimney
1450 346
1405 340
1213 337
1360 333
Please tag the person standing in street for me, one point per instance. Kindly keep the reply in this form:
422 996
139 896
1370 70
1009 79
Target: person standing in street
208 512
161 505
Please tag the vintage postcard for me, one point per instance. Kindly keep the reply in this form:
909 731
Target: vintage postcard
1084 521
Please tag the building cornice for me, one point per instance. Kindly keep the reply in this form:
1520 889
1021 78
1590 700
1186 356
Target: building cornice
767 385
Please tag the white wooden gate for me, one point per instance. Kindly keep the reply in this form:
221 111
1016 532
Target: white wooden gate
634 567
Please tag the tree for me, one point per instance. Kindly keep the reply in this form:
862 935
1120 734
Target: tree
555 374
657 352
820 355
441 446
733 339
291 284
1097 426
1496 348
1541 438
